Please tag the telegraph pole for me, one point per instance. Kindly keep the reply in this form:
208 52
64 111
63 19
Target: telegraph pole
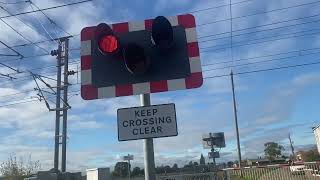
236 119
292 148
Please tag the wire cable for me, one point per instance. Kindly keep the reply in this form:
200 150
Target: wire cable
44 27
231 32
198 25
260 13
218 76
263 38
23 36
50 20
18 54
11 3
5 65
263 56
48 8
18 103
220 6
208 49
7 11
259 26
264 70
200 37
259 62
246 43
259 31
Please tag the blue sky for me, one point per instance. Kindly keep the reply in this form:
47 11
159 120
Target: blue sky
270 104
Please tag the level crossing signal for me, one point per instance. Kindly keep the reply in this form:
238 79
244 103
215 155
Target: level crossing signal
151 56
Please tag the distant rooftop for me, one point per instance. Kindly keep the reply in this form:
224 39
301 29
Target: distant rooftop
316 127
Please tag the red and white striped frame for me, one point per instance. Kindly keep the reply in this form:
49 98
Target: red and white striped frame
195 80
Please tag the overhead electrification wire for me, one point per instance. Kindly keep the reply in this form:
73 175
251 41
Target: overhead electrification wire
259 26
260 13
49 8
246 43
10 3
27 39
220 6
209 49
301 53
43 41
46 31
33 90
17 103
8 55
263 56
206 36
264 70
282 21
18 54
259 31
211 77
50 20
231 32
268 37
5 65
43 67
26 24
212 35
34 56
259 62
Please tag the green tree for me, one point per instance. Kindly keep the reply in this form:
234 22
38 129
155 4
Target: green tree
202 160
137 171
175 168
311 155
121 169
230 164
14 169
272 150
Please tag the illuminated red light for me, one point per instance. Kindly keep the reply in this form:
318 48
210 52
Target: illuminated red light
108 44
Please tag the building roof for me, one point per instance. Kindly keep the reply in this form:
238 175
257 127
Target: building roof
316 127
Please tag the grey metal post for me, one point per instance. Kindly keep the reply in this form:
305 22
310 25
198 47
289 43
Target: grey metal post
149 165
212 151
213 158
65 104
129 173
236 119
57 128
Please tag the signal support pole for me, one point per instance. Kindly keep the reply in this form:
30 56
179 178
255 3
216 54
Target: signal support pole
213 158
62 60
58 109
149 165
236 119
65 58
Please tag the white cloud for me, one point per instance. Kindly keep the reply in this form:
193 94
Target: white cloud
279 106
165 5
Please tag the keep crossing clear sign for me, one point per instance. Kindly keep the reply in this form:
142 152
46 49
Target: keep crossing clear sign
147 122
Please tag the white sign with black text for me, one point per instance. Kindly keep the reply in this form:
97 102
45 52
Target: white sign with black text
147 122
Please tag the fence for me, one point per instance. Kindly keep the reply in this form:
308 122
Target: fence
306 171
220 175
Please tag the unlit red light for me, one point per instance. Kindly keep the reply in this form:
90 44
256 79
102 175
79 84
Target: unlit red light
108 44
